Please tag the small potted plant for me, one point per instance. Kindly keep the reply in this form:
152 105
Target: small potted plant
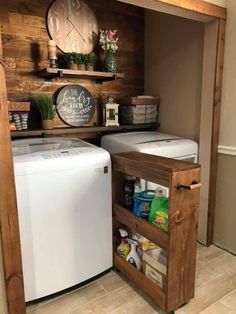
62 62
90 61
81 61
72 60
47 109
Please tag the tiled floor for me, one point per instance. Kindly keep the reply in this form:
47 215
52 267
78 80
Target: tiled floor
112 294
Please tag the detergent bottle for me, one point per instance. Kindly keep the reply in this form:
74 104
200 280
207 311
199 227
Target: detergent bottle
159 214
123 248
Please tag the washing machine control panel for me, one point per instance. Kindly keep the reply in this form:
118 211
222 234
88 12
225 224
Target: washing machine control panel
65 153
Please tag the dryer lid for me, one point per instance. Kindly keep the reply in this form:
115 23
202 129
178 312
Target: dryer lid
135 138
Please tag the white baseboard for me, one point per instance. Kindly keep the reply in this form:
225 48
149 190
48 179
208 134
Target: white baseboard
227 150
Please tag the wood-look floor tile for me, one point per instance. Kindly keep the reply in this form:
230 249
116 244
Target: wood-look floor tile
226 305
111 282
230 299
209 293
113 294
218 308
112 302
70 302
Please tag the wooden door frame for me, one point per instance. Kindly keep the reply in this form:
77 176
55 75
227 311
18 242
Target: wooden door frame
216 127
10 235
8 208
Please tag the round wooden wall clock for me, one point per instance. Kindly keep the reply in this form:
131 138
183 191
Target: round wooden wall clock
73 26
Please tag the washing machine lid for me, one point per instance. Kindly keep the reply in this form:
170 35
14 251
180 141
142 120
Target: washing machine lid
33 156
39 145
54 150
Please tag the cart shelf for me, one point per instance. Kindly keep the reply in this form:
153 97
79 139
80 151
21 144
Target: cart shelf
140 280
140 225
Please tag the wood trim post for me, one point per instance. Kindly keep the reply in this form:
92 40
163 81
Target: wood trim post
194 6
8 209
215 129
183 223
198 6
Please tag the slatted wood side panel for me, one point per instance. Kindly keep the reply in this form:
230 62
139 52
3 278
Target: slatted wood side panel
25 46
8 211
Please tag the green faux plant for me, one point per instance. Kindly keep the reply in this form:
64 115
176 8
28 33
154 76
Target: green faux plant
71 57
91 59
62 62
45 106
80 58
85 58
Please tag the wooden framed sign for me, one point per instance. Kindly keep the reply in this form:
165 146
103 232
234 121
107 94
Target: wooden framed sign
75 105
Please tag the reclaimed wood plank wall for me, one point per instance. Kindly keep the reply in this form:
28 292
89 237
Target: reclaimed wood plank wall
25 38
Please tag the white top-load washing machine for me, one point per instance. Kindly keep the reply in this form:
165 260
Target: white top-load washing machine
154 143
63 191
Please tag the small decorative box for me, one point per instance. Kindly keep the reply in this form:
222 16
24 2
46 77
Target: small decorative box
139 110
154 266
18 115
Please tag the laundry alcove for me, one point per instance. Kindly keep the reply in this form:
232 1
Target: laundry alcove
185 71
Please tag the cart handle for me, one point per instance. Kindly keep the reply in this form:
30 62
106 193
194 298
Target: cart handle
193 186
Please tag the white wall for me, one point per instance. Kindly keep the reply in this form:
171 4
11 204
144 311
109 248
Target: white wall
228 112
225 215
173 70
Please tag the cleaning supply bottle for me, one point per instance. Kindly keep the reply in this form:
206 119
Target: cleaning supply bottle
123 248
159 214
133 257
128 200
137 187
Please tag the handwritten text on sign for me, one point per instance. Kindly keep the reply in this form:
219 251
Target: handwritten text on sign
75 105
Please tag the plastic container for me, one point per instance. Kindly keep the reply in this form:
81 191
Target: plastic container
142 203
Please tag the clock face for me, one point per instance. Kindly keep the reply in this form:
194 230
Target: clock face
73 26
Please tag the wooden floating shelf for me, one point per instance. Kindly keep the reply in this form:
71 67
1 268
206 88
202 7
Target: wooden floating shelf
142 282
140 225
92 129
50 73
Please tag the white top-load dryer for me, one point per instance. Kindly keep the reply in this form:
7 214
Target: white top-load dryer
154 143
63 191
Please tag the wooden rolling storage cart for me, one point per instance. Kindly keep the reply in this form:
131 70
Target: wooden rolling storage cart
180 242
